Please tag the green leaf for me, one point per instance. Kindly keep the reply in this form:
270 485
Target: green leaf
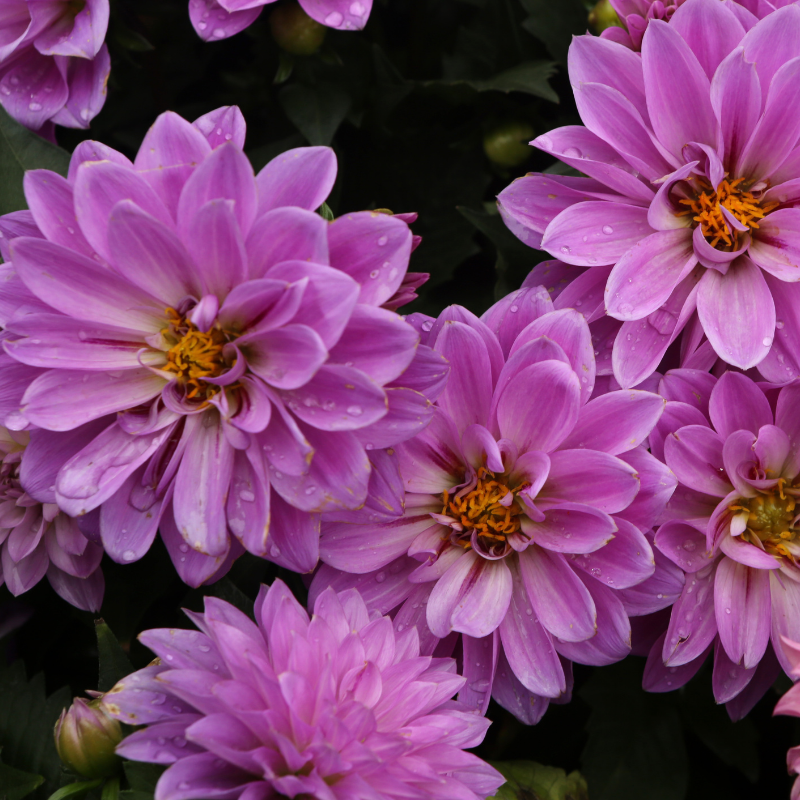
76 789
316 111
530 77
514 259
555 24
227 590
20 150
142 777
110 790
635 748
16 784
325 212
26 725
527 780
114 663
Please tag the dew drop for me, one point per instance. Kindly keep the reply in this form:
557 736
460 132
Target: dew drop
382 241
355 411
766 341
334 19
608 230
129 555
779 324
514 309
274 551
565 249
357 10
374 274
247 496
426 326
380 577
33 106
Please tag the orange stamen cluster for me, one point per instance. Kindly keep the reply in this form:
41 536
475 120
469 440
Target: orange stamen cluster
195 355
706 208
770 519
481 509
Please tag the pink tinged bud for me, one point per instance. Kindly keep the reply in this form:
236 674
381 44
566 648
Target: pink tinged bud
86 738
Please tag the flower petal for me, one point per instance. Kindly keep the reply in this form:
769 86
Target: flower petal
374 249
692 626
554 390
737 313
742 605
468 394
81 288
303 177
616 422
560 600
595 232
527 645
645 276
736 404
680 108
592 477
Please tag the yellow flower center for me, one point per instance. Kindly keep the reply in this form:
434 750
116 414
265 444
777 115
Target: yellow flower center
706 209
481 509
770 519
194 355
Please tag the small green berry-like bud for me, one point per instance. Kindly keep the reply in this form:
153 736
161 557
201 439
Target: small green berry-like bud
507 145
86 737
295 31
603 16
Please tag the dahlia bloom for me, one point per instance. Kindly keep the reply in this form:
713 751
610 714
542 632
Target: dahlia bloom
36 539
733 528
54 64
788 704
227 342
689 199
218 19
634 15
519 528
338 707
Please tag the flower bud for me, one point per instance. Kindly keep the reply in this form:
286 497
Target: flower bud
295 31
86 737
507 145
603 16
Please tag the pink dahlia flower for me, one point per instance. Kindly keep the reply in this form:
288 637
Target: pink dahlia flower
235 337
36 539
733 529
54 64
689 205
218 19
789 704
338 707
634 15
525 504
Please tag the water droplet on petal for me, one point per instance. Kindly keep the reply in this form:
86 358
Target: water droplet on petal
129 555
608 230
334 19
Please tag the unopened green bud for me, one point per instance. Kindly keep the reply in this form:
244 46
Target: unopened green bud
603 16
86 737
507 145
295 31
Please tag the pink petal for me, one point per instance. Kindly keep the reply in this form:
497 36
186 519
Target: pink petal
616 422
560 600
742 605
737 313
